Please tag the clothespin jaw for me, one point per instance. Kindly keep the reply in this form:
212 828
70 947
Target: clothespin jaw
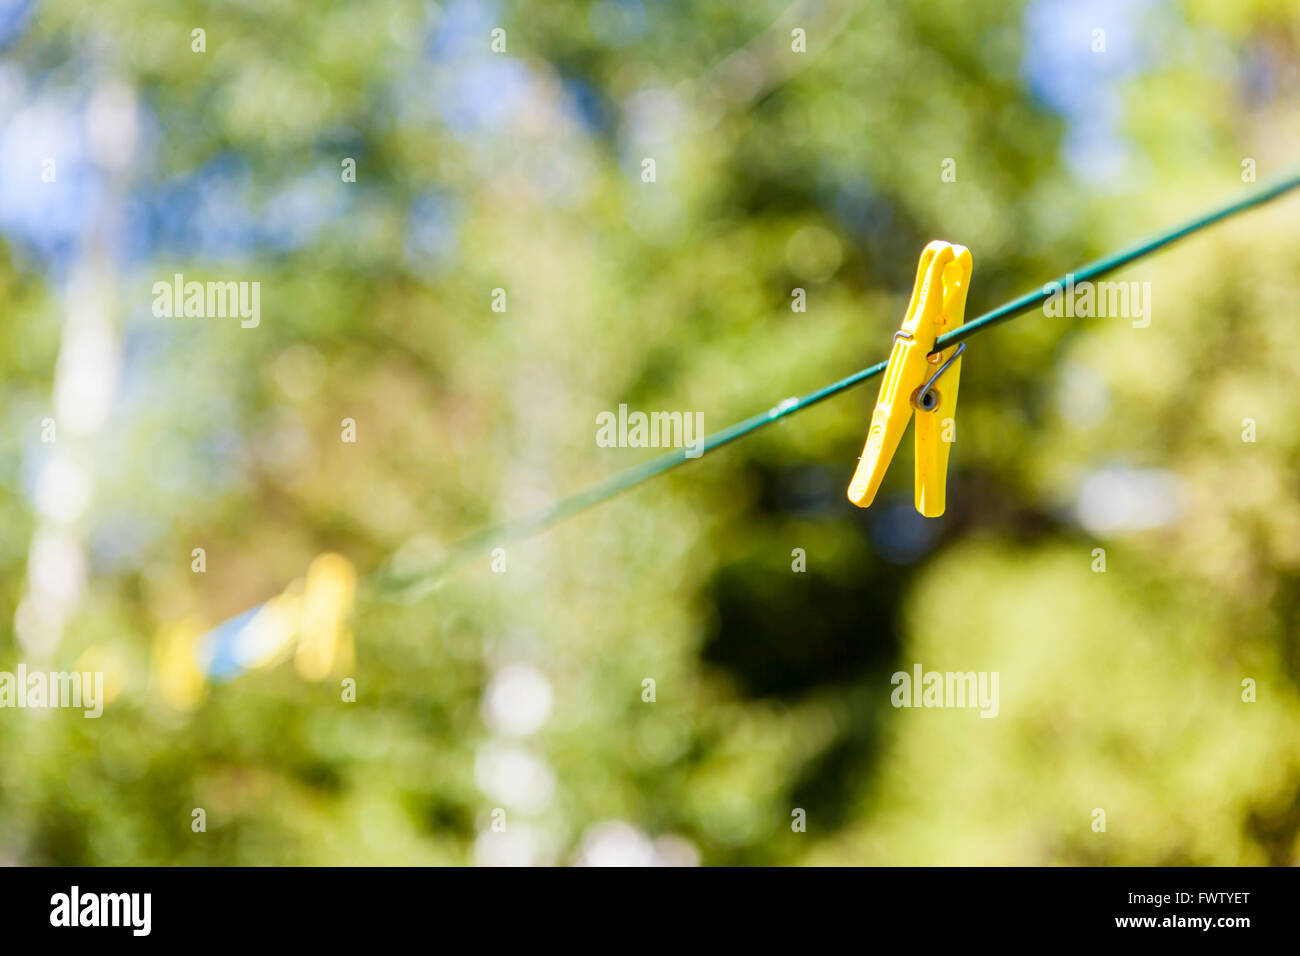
937 305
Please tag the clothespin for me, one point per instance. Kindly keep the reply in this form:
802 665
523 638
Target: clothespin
917 381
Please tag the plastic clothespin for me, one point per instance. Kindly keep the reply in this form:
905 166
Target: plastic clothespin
917 381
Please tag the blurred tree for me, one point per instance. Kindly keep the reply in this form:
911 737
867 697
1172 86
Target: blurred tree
505 716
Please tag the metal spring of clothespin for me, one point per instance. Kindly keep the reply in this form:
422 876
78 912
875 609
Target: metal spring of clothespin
926 398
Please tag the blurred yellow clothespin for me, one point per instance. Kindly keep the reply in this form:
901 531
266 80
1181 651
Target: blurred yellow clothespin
324 640
911 382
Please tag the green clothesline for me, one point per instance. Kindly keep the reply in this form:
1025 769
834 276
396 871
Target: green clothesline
393 579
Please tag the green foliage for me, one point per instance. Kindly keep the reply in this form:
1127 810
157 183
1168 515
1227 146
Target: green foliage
774 170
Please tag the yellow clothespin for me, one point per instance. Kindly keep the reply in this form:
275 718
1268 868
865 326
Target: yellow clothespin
912 381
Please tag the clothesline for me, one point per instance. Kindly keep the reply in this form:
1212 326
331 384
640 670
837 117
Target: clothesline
404 579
